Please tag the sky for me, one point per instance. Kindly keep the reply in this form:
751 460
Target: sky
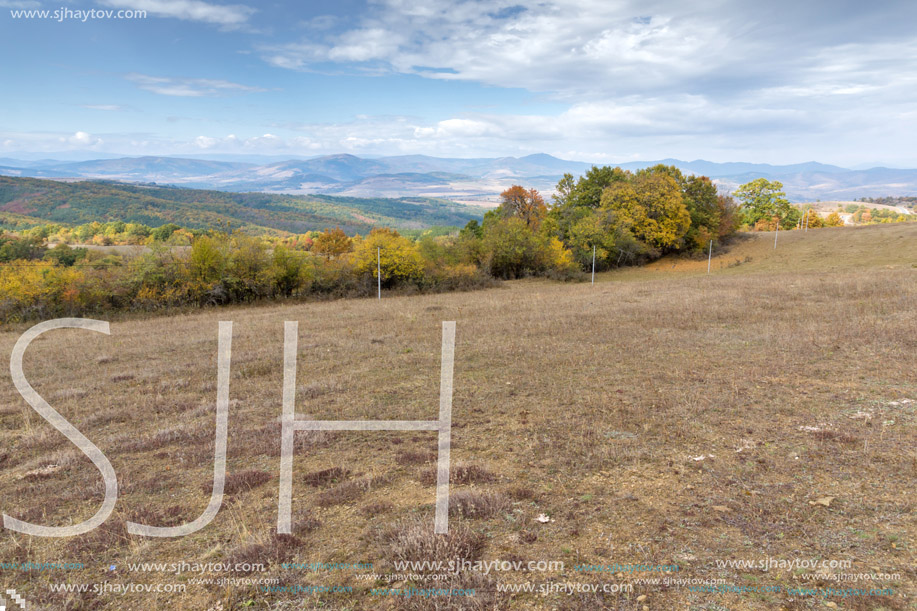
593 80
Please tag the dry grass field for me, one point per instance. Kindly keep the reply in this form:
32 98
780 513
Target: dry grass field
766 412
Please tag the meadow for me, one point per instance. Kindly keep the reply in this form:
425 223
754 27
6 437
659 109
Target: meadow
662 417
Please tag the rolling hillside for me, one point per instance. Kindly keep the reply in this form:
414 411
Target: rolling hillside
668 419
25 199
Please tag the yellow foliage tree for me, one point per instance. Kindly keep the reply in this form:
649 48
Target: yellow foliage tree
652 206
332 243
400 261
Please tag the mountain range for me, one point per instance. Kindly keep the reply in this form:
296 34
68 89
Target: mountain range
471 181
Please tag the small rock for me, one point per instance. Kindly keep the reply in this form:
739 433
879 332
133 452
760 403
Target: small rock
721 508
543 518
824 501
641 598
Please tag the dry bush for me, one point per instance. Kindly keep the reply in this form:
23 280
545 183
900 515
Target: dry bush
280 548
242 481
414 539
108 537
175 515
325 476
374 509
474 504
350 491
414 457
304 522
522 493
460 473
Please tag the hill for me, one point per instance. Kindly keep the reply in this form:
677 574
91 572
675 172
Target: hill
88 201
472 180
705 424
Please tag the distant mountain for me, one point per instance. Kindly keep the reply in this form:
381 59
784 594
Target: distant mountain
146 169
712 169
474 180
87 201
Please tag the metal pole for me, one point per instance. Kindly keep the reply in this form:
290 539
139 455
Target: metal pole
709 256
379 270
593 264
775 233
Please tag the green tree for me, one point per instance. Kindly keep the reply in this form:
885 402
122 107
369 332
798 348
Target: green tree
164 232
290 270
704 208
208 260
763 200
62 254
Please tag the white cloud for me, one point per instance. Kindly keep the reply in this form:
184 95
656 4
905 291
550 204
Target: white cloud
707 78
206 143
565 47
189 88
81 139
228 15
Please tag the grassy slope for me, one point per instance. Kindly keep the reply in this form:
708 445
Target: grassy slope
83 202
584 403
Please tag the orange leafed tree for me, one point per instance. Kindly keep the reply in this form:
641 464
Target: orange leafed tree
332 243
523 203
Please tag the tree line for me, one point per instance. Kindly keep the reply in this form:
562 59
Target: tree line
620 217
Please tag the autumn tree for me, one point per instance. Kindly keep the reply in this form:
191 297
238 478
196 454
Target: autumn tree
332 243
526 204
397 256
812 218
651 205
208 259
512 250
290 270
730 215
704 209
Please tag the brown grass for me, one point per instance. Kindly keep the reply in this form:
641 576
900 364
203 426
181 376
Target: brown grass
414 540
350 491
459 473
242 481
325 476
588 404
474 504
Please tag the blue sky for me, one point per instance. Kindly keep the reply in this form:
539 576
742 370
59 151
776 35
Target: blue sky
593 80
